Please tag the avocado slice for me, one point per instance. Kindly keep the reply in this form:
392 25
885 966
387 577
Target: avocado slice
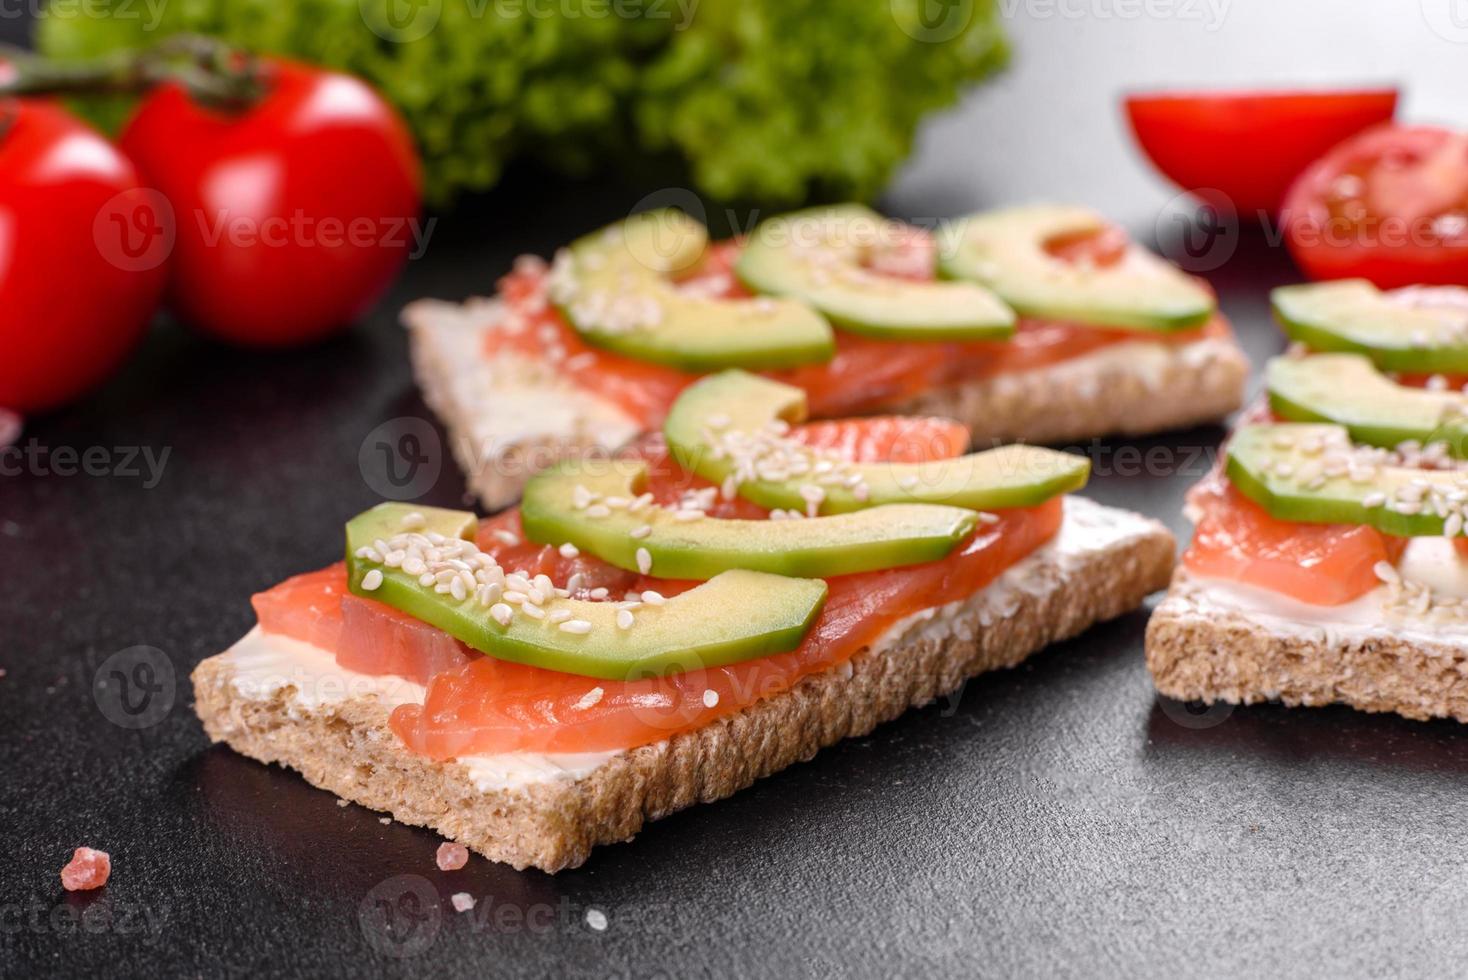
1282 467
615 288
1005 250
732 425
1348 390
733 617
558 507
816 256
1353 315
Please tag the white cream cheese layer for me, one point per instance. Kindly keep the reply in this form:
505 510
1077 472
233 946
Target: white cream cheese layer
265 664
1431 562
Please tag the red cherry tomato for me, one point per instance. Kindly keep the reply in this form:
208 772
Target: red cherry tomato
1248 145
293 215
81 256
1390 205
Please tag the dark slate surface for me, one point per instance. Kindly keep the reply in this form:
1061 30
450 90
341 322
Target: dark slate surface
1057 819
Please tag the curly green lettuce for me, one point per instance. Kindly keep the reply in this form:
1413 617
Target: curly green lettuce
774 101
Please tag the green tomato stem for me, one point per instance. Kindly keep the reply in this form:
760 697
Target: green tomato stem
214 73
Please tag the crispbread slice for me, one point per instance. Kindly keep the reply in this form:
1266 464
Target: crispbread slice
1202 649
509 416
1101 564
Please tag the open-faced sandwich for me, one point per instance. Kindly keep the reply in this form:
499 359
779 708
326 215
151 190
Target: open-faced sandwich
662 628
1037 324
1329 562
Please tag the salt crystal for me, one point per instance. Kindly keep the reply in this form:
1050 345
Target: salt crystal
452 857
86 870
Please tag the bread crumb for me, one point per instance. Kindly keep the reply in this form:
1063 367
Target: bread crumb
86 870
385 821
341 802
463 901
597 919
452 857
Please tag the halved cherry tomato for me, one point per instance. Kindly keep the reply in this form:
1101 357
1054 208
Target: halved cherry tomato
1248 145
81 256
1389 205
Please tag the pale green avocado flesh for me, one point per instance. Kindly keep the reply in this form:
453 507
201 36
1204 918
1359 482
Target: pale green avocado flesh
735 404
1352 315
887 536
616 289
1005 251
1280 467
817 256
1348 390
734 616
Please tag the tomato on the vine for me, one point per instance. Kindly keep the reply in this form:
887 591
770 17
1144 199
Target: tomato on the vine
293 213
81 268
1389 205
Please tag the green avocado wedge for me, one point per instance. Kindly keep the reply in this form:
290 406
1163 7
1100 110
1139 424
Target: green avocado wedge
817 256
733 617
559 507
1005 251
616 289
1348 390
1281 468
735 409
1352 315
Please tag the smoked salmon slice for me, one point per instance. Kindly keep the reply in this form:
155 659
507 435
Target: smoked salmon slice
1322 564
864 372
479 705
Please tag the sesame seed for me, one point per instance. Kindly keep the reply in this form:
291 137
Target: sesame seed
644 561
501 613
569 550
1387 572
598 594
653 598
638 533
506 537
559 616
624 619
372 580
598 511
710 698
588 699
908 482
580 627
532 610
413 521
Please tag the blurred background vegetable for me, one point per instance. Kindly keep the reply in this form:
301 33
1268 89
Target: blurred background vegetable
768 100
